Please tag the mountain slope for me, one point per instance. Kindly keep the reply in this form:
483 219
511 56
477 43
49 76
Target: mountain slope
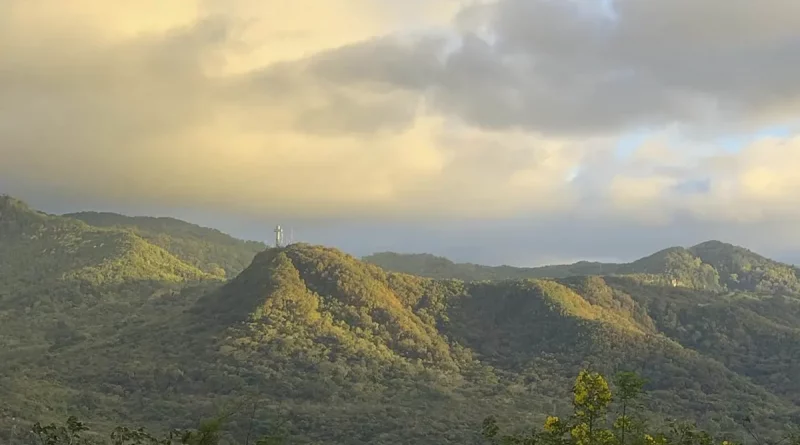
742 269
65 284
99 323
431 266
36 248
712 265
207 249
353 354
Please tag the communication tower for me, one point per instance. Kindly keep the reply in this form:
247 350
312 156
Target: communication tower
278 236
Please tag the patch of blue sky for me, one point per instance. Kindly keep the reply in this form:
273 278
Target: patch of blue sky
630 142
735 143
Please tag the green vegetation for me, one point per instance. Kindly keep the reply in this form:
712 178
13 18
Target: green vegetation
593 421
712 265
102 324
426 265
207 249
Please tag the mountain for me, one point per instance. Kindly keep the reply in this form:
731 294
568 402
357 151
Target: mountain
336 350
739 268
207 249
712 265
41 250
432 266
64 284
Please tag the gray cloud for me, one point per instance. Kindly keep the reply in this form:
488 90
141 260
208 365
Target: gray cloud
560 67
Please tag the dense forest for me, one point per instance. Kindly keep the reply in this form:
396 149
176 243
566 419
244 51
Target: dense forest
712 265
161 324
595 419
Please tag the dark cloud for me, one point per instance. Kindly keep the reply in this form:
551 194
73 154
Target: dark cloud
571 69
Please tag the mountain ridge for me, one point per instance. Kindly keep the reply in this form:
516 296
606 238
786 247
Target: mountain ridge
340 350
208 249
710 265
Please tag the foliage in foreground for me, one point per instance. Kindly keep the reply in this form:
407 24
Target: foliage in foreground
595 422
75 432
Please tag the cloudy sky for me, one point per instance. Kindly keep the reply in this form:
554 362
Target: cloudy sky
505 131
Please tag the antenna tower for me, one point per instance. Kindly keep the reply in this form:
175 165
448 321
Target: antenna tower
278 236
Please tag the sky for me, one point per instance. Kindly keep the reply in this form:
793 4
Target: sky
521 132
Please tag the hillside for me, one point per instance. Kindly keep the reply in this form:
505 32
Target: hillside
712 265
98 322
207 249
63 284
431 266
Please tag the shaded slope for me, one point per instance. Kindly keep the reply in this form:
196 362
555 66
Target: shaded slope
66 285
756 336
208 249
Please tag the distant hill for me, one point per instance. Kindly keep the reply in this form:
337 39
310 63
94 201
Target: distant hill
712 265
431 266
38 249
337 350
208 249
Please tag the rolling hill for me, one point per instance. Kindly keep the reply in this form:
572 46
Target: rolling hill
207 249
712 265
333 349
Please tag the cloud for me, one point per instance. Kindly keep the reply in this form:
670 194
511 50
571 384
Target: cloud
574 66
148 115
754 186
412 110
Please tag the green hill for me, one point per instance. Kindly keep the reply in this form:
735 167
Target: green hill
207 249
337 350
712 265
64 284
431 266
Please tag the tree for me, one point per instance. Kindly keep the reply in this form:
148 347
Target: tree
67 434
629 386
590 401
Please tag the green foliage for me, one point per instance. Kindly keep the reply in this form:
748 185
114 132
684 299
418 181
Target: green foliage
67 434
73 432
712 266
589 425
207 249
426 265
100 323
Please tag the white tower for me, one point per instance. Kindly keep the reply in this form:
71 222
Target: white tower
278 236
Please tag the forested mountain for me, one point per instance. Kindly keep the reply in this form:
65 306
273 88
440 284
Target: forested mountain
712 265
431 266
100 323
208 249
